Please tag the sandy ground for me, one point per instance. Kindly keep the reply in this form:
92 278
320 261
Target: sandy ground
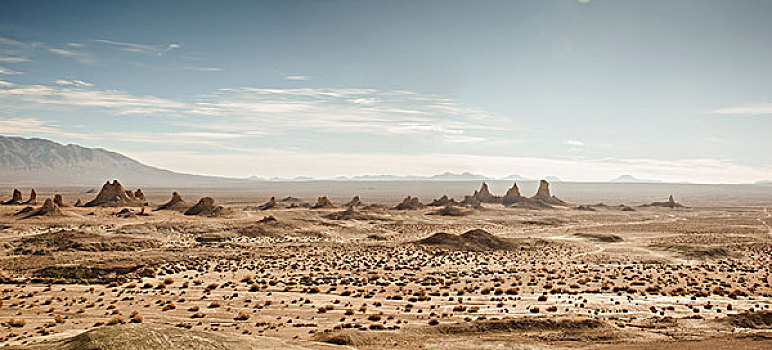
650 278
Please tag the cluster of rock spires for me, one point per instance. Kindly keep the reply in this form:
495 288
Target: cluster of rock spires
114 195
542 198
16 198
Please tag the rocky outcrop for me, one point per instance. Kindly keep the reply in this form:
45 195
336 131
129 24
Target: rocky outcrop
290 199
475 240
484 195
139 195
350 214
147 336
114 195
271 204
543 195
451 210
78 203
409 203
49 208
24 211
354 202
671 203
442 201
206 207
323 202
126 213
176 203
16 198
544 190
58 200
512 196
33 197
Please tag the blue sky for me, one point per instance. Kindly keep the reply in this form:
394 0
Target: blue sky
583 90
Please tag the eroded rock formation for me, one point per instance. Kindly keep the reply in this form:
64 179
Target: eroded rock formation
49 208
354 202
206 207
115 195
33 197
544 196
409 203
323 202
512 196
176 203
16 198
58 200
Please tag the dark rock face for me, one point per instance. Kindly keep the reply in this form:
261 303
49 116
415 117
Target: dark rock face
33 197
409 203
114 195
125 213
176 203
58 200
15 198
206 207
323 202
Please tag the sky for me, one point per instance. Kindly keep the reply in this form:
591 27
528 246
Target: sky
583 90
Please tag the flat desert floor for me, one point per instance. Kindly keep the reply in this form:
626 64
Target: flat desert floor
579 275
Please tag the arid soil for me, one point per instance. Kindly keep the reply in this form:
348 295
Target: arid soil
378 276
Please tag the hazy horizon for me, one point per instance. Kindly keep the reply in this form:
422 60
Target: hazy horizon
675 91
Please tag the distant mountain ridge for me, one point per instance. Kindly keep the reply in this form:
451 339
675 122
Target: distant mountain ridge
632 179
43 162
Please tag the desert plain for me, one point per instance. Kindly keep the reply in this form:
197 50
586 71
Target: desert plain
307 266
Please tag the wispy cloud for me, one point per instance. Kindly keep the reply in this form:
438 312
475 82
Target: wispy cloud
37 127
204 69
6 83
62 52
7 71
77 96
75 54
18 43
574 143
11 59
346 110
297 77
74 82
754 109
157 50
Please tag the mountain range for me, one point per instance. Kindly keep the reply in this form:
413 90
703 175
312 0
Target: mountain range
44 162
